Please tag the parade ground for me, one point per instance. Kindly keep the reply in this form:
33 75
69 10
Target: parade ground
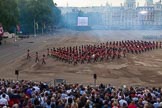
135 69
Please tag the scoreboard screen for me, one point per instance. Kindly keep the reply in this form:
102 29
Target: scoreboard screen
82 21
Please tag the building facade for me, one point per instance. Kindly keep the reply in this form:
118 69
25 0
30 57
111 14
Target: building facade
126 16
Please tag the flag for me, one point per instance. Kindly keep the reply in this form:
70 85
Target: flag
44 26
1 30
36 26
18 28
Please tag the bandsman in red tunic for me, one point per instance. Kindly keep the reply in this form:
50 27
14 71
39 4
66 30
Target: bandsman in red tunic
157 45
160 44
82 59
119 52
48 52
75 58
108 54
28 54
36 57
124 52
114 53
43 59
153 44
88 58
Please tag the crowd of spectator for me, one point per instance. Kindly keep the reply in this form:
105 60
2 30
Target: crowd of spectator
30 94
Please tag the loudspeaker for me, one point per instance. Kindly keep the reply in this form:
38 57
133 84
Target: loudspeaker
16 72
95 76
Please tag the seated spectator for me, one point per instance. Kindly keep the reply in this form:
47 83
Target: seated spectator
3 100
26 94
122 102
132 105
157 103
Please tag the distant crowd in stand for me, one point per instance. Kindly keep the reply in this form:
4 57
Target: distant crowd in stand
29 94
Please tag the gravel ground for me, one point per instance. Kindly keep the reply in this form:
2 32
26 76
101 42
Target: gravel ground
144 69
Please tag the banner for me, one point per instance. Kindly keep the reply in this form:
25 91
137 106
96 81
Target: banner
36 26
18 28
1 30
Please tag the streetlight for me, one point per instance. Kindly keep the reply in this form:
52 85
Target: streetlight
17 73
34 28
95 78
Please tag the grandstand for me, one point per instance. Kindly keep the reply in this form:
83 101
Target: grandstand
30 94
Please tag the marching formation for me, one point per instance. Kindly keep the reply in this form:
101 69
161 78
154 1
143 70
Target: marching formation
98 52
103 51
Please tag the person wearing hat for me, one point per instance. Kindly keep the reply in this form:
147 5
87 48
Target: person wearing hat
36 57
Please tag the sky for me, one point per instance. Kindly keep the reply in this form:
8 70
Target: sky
85 3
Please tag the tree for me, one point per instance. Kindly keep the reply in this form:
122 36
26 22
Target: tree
25 17
25 12
41 12
56 15
9 14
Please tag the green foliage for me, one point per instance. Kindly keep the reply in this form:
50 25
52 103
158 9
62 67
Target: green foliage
8 14
25 12
56 15
43 12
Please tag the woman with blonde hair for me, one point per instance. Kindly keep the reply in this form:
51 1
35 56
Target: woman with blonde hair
115 104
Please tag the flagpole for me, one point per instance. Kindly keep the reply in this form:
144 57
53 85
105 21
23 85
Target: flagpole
34 29
42 28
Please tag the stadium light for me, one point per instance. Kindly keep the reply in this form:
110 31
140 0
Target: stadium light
143 12
142 15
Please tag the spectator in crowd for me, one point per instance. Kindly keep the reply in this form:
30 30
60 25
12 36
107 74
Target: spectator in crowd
3 100
28 94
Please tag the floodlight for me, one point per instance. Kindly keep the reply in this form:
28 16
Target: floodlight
143 12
